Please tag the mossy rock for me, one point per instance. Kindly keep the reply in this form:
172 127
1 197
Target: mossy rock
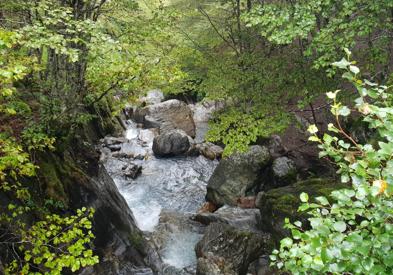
50 171
280 203
225 249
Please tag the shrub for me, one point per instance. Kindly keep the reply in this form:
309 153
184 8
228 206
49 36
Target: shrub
352 230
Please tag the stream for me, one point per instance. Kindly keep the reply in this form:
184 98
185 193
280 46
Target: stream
164 196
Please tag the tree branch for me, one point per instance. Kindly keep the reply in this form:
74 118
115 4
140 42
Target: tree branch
204 13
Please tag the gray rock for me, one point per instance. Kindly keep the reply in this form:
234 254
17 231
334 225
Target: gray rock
171 143
132 150
167 115
213 266
210 150
284 171
262 267
246 219
114 148
123 155
227 250
141 271
105 153
237 175
132 170
111 141
276 148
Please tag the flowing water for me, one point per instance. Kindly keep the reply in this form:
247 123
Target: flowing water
176 184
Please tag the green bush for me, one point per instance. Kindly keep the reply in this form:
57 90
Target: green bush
351 232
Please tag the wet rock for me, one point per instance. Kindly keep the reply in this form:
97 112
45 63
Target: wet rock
171 143
171 270
210 150
133 150
147 135
114 148
246 219
237 175
167 115
112 141
123 155
284 171
132 170
141 271
280 203
227 250
114 144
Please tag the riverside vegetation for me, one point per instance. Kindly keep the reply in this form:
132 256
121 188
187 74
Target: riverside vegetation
69 68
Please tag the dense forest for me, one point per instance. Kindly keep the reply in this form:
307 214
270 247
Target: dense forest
316 74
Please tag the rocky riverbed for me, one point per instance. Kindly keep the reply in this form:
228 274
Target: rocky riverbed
200 214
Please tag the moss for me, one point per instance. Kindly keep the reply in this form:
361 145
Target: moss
286 203
136 240
50 176
58 175
280 203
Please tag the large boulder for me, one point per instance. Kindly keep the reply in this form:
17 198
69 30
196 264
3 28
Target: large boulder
237 175
167 115
280 203
171 143
227 250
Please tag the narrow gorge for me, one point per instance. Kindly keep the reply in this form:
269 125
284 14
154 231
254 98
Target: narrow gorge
199 213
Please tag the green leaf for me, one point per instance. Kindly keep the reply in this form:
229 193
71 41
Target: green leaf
286 242
342 64
322 200
304 197
340 226
354 69
344 111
